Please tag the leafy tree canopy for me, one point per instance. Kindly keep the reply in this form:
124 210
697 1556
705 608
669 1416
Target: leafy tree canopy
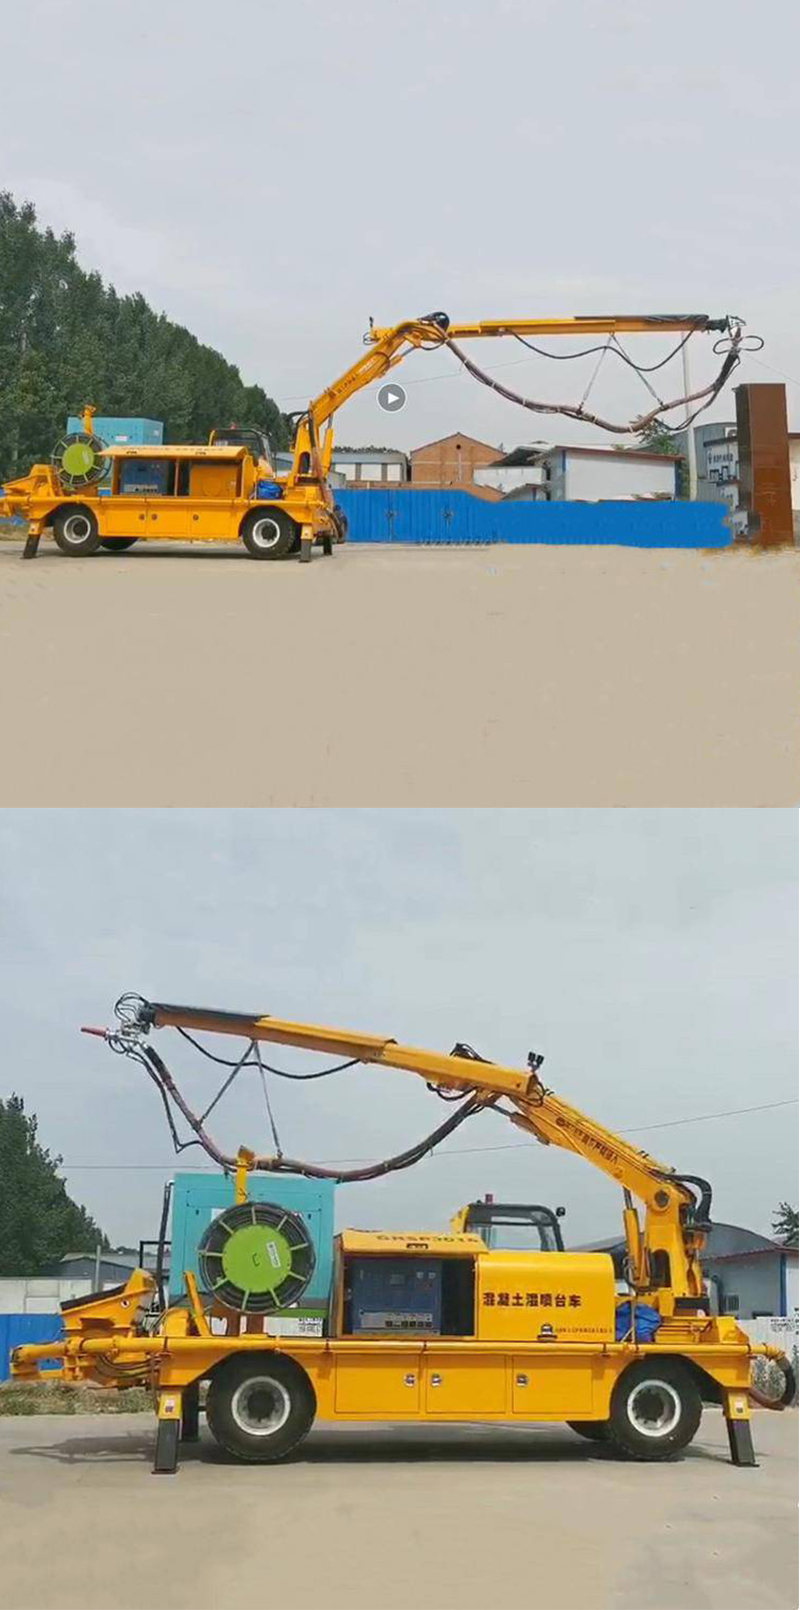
66 340
658 438
784 1224
39 1222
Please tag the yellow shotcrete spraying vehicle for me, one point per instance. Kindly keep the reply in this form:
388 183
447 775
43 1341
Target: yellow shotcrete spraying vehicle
422 1327
92 496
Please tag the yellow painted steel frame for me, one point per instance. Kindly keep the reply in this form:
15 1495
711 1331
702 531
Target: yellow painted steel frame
513 1364
495 1375
38 497
306 496
364 1378
539 1112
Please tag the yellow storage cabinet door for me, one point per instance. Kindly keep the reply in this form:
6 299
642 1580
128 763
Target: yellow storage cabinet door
121 517
213 486
464 1386
213 519
166 517
557 1387
378 1385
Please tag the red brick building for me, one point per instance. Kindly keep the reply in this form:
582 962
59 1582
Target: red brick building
451 462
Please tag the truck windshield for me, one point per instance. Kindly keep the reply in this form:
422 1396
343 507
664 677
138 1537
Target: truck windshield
256 443
518 1228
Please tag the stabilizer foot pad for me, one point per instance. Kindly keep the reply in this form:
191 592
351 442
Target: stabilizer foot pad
740 1440
165 1462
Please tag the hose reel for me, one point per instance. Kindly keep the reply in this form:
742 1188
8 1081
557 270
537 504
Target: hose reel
79 459
256 1257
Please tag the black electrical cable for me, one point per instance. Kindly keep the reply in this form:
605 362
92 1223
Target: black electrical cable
162 1078
161 1248
704 397
614 346
282 1073
124 1048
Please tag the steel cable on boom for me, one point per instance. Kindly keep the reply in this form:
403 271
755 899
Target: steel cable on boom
705 395
170 1094
282 1073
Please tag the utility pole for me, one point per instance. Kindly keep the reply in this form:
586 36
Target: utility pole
691 454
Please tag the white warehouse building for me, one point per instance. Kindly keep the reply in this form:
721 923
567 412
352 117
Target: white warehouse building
560 472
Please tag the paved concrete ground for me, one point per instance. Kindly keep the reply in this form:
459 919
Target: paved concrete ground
401 1518
390 676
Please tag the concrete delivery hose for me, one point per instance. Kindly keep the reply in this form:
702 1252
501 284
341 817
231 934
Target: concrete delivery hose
789 1392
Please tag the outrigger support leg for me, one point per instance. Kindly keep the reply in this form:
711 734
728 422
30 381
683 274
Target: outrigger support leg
740 1438
31 544
327 545
306 544
165 1462
190 1418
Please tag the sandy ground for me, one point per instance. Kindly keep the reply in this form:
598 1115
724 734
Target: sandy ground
396 676
406 1518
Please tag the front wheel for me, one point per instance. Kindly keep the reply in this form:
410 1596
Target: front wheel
269 534
655 1409
117 544
75 530
259 1408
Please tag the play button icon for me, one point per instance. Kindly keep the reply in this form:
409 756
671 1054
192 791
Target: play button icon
391 398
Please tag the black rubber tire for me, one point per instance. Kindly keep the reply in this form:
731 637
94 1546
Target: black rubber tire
291 1394
117 544
679 1394
594 1430
76 516
282 538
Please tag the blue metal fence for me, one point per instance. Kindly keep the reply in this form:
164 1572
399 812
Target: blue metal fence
18 1328
460 518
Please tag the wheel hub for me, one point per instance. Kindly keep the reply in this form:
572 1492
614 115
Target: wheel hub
76 528
261 1406
654 1408
266 533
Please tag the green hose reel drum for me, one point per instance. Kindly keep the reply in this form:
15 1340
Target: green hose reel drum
80 459
256 1258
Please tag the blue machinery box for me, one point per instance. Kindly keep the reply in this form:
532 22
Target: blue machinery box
395 1294
198 1198
143 475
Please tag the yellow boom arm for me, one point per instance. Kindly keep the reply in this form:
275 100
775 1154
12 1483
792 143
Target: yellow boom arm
665 1261
389 345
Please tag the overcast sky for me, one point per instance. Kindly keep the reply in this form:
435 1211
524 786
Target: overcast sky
271 176
651 955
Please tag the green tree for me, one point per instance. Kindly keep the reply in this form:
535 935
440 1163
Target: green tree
658 438
39 1222
66 340
784 1224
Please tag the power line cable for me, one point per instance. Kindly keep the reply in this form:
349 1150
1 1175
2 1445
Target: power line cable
462 1151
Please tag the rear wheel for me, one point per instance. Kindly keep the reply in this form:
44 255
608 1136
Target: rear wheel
595 1430
260 1408
655 1409
269 534
117 544
75 530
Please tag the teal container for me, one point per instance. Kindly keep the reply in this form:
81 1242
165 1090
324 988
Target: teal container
117 431
198 1198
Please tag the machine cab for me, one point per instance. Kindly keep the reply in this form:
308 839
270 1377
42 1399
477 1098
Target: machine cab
256 441
513 1226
